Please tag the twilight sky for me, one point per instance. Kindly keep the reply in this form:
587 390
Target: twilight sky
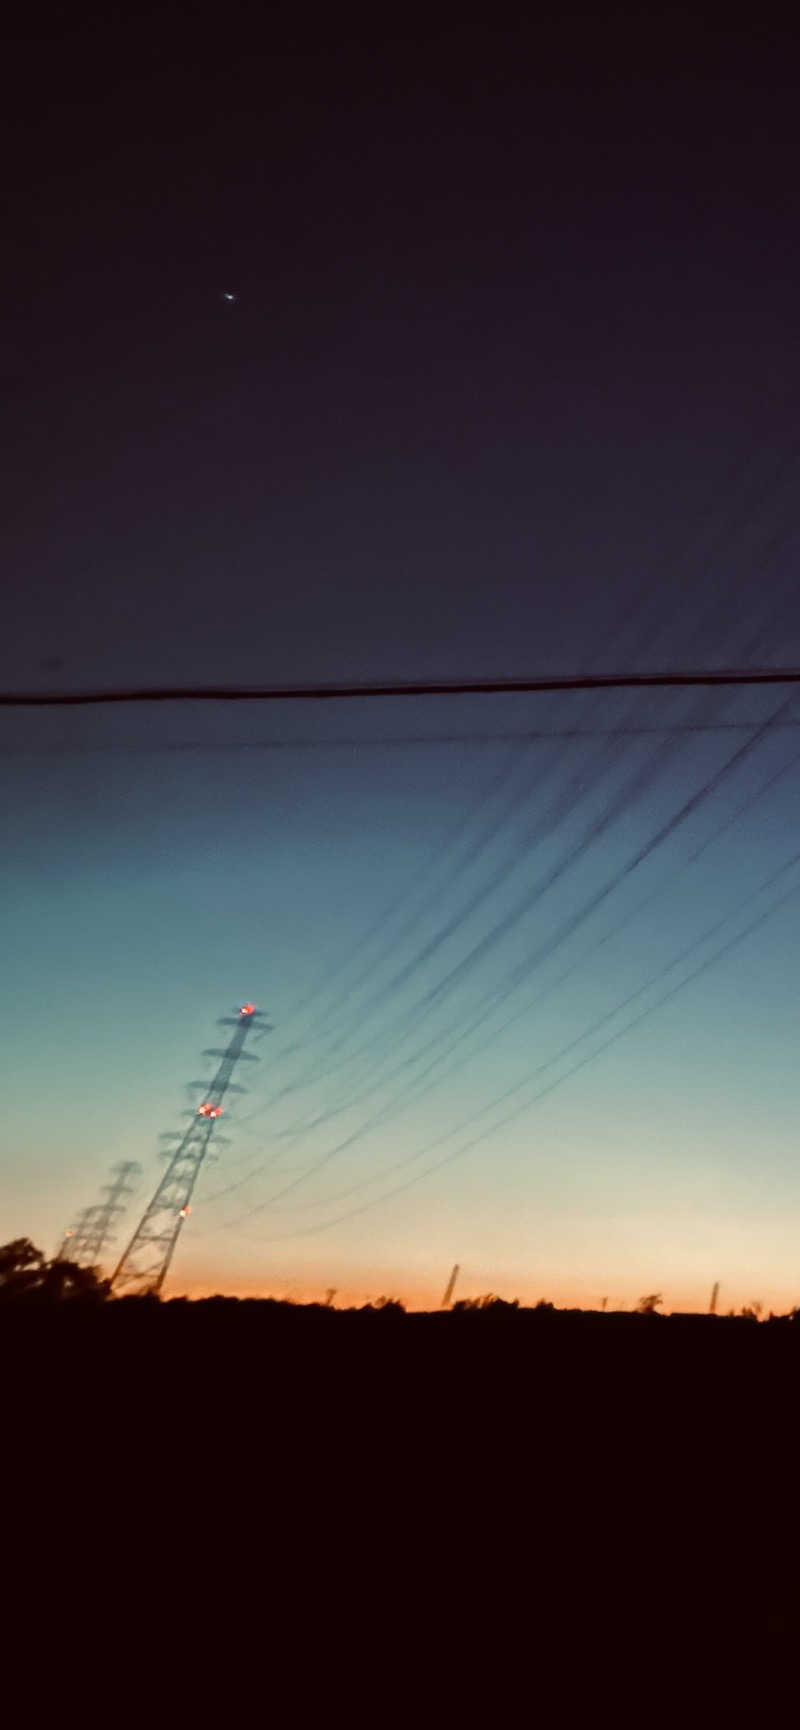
508 387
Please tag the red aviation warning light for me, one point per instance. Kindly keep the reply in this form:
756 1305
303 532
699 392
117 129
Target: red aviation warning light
247 1009
209 1110
185 1211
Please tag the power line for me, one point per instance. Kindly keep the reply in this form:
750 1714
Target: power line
389 742
433 996
519 797
402 1099
608 1015
541 826
497 997
590 1057
313 1074
377 929
514 799
707 677
452 847
666 829
503 993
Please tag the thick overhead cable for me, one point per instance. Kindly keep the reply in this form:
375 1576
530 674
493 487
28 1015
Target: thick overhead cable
416 688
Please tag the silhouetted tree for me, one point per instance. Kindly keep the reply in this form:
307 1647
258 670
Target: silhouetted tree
648 1305
20 1267
65 1279
26 1275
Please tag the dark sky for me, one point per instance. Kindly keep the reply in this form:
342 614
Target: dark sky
517 316
508 387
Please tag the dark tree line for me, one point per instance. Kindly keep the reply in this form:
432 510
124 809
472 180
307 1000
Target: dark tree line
26 1276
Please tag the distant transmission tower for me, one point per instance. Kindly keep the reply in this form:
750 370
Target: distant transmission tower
88 1239
103 1219
144 1264
712 1308
72 1243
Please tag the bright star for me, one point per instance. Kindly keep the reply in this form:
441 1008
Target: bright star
231 298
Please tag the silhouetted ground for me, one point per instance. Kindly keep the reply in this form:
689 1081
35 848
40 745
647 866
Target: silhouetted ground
523 1476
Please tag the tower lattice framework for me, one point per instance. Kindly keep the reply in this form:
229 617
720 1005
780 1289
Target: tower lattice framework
72 1243
87 1240
145 1262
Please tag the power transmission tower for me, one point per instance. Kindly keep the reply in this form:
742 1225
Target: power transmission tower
73 1242
712 1308
144 1263
86 1241
104 1218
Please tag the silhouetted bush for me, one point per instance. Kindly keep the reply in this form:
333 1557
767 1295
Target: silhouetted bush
26 1277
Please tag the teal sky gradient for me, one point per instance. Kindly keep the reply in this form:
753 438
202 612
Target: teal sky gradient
147 890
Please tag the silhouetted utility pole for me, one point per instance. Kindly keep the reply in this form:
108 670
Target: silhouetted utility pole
712 1308
144 1265
450 1287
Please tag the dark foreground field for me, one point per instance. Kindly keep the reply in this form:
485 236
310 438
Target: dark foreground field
514 1481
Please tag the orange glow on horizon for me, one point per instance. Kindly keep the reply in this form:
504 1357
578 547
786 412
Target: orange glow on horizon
422 1295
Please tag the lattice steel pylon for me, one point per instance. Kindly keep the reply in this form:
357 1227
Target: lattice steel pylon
145 1262
103 1219
86 1241
72 1243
